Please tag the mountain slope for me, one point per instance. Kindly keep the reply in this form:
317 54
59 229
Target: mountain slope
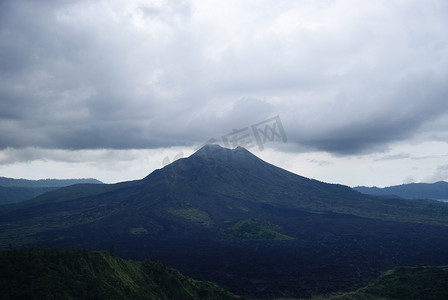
200 196
18 194
82 274
310 237
437 190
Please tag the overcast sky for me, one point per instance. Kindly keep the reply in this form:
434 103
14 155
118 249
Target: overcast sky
116 89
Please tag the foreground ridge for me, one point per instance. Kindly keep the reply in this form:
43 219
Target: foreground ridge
82 274
402 283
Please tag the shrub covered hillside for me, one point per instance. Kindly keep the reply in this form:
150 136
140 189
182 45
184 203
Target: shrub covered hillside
402 283
82 274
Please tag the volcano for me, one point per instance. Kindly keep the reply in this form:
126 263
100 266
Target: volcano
225 215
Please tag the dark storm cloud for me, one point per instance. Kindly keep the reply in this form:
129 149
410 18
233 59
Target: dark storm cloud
345 77
369 120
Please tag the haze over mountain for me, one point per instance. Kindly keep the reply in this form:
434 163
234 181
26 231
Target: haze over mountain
437 190
229 217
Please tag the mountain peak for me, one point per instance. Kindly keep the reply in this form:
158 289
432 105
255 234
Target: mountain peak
211 147
209 155
217 152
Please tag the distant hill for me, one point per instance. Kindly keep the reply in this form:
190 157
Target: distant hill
13 182
18 190
437 190
82 274
226 216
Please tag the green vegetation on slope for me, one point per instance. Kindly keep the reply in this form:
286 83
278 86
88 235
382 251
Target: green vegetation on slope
411 283
251 229
194 215
402 283
82 274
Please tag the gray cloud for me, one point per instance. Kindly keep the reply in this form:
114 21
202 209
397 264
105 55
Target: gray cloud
440 174
345 77
426 157
321 163
394 156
